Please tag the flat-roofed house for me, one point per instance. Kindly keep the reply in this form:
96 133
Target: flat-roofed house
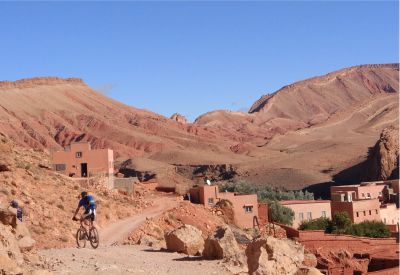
245 207
305 210
79 160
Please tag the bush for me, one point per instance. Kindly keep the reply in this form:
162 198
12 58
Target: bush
340 222
372 229
316 224
281 214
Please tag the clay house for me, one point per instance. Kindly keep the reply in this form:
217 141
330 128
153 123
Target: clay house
368 201
245 207
79 160
305 210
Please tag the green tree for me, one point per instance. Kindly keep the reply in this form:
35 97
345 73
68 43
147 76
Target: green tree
281 214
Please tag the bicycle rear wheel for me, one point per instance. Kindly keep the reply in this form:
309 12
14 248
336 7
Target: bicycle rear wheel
94 237
81 236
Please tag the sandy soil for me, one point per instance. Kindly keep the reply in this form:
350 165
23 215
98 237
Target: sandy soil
126 260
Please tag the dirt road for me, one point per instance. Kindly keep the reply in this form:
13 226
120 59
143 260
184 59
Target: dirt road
126 259
121 259
119 230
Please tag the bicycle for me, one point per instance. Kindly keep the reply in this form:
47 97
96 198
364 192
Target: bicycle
82 235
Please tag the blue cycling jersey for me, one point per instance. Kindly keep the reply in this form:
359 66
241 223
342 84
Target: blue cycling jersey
88 203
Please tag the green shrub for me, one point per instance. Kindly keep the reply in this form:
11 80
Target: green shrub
281 214
316 224
340 222
372 229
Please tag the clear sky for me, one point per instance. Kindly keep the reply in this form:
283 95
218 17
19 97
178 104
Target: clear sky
193 57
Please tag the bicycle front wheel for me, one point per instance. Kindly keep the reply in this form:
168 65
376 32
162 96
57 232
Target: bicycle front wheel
81 236
94 237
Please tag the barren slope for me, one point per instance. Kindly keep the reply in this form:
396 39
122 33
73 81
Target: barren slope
51 112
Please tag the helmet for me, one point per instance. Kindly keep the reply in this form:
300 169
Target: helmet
14 204
84 194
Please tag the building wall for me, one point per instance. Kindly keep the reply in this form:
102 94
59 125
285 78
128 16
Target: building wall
242 217
389 214
306 208
98 161
263 213
359 211
210 195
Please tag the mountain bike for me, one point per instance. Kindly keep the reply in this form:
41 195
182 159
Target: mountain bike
91 235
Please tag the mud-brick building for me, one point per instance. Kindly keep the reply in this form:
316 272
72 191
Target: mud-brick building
305 210
79 160
368 201
245 207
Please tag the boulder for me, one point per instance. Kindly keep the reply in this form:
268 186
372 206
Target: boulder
21 230
9 249
186 239
26 243
271 256
7 217
310 260
221 245
308 271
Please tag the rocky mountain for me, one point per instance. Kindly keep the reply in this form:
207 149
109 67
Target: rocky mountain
303 134
48 113
383 160
309 102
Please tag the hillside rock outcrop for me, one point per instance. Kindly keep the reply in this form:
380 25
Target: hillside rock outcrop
186 239
271 256
179 118
383 160
221 245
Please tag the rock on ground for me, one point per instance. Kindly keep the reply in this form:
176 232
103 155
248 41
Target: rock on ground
221 245
186 239
271 256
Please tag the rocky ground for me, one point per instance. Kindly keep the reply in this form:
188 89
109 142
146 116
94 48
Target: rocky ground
127 259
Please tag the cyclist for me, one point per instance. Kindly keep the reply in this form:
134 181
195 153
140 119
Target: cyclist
88 203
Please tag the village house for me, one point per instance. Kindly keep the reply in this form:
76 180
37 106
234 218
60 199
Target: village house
305 210
79 160
245 207
368 201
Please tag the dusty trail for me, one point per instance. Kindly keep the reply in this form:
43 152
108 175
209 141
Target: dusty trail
128 259
117 231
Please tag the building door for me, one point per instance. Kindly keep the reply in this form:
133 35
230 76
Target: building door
84 173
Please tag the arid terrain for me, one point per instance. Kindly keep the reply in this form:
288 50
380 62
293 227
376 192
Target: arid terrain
330 121
308 133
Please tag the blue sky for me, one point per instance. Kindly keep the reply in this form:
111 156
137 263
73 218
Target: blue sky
193 57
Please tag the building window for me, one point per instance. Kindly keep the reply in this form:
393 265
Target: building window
357 214
248 209
60 167
323 214
309 216
370 212
368 195
210 200
301 216
78 154
363 195
376 210
384 220
365 214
